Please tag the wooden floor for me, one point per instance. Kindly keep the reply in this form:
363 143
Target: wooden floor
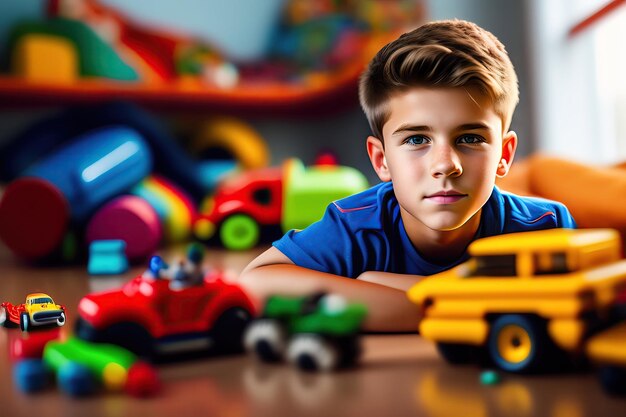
399 375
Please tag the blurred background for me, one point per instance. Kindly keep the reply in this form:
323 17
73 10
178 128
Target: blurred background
282 75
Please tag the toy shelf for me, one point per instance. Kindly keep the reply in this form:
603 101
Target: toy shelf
330 94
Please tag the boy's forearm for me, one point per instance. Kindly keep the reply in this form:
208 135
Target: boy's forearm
389 309
401 282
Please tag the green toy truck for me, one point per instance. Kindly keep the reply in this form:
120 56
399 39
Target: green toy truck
317 332
289 197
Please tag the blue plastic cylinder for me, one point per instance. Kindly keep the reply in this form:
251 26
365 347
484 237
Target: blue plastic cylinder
95 167
67 186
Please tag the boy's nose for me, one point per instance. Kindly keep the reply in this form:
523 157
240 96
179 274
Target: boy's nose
445 163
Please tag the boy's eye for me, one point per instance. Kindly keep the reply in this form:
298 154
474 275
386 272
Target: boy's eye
416 140
471 139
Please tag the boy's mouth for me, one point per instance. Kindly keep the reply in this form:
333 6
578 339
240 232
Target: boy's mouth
445 197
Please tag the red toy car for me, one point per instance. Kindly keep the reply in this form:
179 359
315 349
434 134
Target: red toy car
156 319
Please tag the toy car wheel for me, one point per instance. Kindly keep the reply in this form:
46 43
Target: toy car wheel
267 339
131 336
519 343
457 353
229 328
24 322
311 352
613 380
61 320
239 232
4 319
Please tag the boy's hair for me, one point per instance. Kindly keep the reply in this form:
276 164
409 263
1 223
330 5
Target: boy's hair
449 53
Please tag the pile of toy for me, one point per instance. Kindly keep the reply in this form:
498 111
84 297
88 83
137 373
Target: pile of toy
89 39
113 172
172 312
525 319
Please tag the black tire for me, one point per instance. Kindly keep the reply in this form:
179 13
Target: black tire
613 380
5 321
228 330
458 353
131 336
521 344
4 318
24 322
266 339
313 353
61 320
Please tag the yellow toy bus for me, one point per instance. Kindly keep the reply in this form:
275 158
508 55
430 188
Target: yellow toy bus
523 298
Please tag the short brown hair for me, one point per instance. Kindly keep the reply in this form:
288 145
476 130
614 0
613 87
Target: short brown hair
449 53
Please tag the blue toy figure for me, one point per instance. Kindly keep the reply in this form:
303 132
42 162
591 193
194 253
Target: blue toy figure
189 272
155 268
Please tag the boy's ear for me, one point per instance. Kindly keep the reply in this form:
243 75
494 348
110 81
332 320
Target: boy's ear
376 152
509 145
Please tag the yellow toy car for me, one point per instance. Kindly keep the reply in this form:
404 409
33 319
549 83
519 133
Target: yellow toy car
39 309
522 298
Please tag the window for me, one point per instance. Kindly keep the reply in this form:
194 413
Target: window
262 196
550 263
579 89
495 266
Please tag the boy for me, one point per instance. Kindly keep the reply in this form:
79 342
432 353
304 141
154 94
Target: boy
439 101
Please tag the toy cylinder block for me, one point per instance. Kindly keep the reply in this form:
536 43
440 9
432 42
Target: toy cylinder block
30 375
69 185
130 219
96 166
45 58
109 364
34 215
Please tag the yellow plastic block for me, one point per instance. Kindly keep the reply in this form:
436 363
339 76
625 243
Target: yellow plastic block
45 58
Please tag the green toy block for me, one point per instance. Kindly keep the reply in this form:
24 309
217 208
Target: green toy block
307 191
108 363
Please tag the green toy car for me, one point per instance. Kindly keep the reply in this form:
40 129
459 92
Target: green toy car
317 332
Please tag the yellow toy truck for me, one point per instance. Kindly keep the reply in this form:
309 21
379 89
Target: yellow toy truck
523 299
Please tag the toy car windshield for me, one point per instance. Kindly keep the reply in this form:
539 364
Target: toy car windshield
41 300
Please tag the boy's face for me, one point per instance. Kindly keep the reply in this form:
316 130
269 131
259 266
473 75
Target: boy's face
443 148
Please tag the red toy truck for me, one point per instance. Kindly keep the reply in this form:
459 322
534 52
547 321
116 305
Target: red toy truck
287 197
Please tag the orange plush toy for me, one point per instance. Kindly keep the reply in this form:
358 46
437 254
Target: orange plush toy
596 196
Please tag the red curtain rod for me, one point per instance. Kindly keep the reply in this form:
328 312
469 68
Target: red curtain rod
599 14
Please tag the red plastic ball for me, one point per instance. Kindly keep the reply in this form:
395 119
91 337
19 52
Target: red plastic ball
142 381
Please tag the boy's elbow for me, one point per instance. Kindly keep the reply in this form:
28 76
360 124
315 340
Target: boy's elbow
250 281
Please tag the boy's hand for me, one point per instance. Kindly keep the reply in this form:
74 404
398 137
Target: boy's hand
398 281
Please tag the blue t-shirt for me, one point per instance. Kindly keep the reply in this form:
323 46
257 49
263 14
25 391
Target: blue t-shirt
365 232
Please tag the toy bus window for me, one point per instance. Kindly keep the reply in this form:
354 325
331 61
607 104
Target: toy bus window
495 266
262 196
550 263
